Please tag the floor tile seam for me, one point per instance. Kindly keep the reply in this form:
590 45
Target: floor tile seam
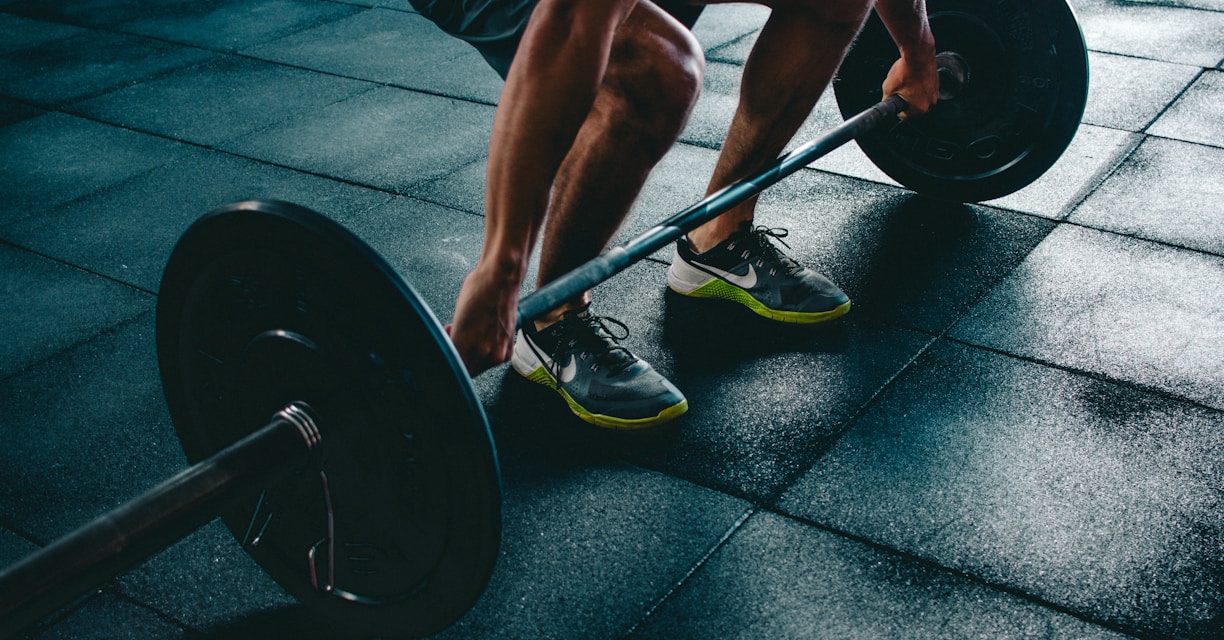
934 339
877 395
152 76
235 154
771 498
240 53
77 267
1158 392
112 588
1139 238
109 588
1173 101
922 561
101 333
288 117
41 627
380 83
712 53
1102 175
701 562
117 28
1197 143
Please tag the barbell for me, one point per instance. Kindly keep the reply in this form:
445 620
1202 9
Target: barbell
332 426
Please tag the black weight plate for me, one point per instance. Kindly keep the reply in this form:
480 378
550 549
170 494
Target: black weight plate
1020 108
394 530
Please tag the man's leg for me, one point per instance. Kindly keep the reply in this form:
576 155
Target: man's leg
789 67
791 64
652 81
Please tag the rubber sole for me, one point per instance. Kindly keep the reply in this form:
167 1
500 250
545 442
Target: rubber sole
723 290
541 376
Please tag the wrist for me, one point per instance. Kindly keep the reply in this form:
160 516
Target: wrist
920 48
505 268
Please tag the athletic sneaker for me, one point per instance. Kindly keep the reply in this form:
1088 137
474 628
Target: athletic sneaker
747 268
603 383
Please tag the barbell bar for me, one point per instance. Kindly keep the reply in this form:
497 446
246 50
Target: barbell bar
373 494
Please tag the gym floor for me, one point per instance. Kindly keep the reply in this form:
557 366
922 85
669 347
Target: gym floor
1016 433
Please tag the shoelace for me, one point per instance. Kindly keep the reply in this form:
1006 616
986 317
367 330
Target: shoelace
592 334
760 236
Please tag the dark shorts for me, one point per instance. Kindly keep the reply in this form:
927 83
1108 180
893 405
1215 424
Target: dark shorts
495 27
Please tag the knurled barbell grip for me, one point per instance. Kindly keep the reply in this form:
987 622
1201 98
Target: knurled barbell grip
615 260
123 537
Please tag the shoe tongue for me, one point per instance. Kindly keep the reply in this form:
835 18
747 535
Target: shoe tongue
606 349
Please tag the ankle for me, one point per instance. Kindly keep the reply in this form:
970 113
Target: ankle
707 237
556 315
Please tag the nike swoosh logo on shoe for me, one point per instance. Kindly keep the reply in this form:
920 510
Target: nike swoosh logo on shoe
744 281
567 373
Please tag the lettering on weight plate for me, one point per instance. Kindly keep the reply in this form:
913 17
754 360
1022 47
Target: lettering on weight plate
985 148
940 149
1034 82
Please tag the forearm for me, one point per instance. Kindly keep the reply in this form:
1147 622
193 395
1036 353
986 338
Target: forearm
914 76
548 94
906 21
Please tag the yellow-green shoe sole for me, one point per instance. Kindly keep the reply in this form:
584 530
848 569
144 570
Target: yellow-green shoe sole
723 290
541 376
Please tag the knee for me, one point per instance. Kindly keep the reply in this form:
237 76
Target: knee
657 76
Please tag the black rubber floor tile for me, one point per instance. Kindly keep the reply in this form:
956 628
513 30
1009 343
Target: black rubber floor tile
1171 34
127 232
462 189
387 138
12 112
586 551
1196 115
1129 93
901 258
432 247
18 33
13 547
1164 191
1211 5
777 578
88 13
390 47
734 51
86 430
761 408
231 24
764 399
54 158
48 307
62 71
1127 309
720 24
1088 495
109 617
707 125
217 586
1093 153
221 99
